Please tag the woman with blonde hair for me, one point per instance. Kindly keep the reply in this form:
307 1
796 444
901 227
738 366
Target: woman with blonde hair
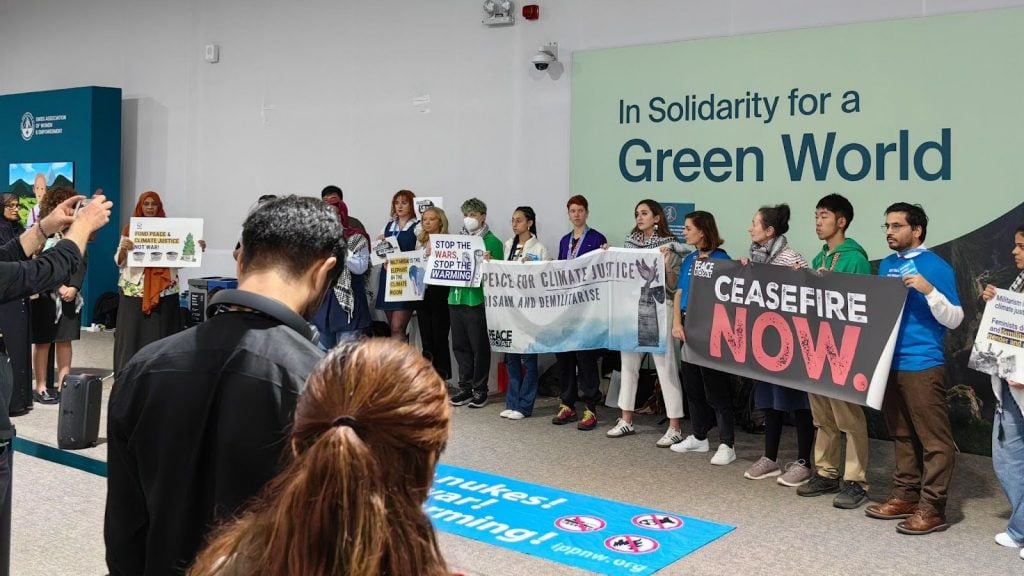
432 313
367 435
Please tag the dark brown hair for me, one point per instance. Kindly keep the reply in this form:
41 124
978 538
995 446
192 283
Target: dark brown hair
368 432
53 199
705 222
661 227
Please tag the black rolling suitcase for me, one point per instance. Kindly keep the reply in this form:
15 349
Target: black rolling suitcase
79 423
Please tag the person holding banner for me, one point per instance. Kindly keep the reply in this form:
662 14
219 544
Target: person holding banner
403 226
769 246
470 341
345 312
432 313
915 407
148 308
832 218
577 371
1008 431
524 246
708 391
651 231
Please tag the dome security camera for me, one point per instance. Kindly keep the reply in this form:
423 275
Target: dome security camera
546 56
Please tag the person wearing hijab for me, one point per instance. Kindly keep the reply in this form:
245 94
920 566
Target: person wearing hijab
148 306
345 311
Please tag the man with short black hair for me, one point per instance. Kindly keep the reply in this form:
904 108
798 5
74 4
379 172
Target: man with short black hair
915 397
332 190
833 418
197 421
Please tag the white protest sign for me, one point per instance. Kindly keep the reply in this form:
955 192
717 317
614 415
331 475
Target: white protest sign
165 242
406 274
455 260
381 250
613 298
999 345
424 202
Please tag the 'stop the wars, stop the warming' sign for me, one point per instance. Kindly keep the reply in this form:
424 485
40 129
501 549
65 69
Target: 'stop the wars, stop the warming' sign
166 242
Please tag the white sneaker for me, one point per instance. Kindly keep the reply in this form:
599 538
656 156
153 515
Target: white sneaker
691 444
621 428
515 415
672 436
505 413
1004 539
724 455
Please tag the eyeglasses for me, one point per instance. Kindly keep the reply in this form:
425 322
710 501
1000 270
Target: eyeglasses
894 227
518 221
12 205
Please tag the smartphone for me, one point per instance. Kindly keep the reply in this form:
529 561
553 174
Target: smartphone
82 204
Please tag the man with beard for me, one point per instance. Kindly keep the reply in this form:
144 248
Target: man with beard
197 421
915 397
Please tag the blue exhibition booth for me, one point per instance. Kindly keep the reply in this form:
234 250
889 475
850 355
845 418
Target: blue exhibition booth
75 135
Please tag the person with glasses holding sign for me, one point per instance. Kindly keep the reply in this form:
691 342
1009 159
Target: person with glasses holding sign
915 397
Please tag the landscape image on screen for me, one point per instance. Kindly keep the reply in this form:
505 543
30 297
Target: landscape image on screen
23 176
24 179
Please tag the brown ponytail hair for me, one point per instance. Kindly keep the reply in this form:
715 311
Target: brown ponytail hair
368 432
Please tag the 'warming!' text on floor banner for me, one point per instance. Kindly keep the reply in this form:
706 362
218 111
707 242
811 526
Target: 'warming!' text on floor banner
830 334
613 298
585 532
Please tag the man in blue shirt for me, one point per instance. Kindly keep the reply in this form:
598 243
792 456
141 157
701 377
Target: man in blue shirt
915 397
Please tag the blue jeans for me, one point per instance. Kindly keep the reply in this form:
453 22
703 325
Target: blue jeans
1008 459
522 388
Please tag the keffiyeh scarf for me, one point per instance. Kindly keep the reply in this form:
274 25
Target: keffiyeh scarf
343 287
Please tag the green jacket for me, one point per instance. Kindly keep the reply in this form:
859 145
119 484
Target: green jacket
848 257
475 296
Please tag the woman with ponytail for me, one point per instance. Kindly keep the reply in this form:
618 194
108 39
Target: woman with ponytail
523 246
367 435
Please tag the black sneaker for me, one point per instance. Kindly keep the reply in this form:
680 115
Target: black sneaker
45 397
852 496
819 485
462 398
479 400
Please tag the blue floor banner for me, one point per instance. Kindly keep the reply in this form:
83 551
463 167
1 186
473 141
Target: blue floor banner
574 529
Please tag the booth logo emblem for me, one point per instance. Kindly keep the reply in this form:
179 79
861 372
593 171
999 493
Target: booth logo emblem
28 126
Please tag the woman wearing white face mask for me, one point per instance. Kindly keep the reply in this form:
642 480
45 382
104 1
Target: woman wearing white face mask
469 323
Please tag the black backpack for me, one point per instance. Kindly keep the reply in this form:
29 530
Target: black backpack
105 310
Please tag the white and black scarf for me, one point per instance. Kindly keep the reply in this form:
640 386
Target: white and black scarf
343 287
1018 284
637 240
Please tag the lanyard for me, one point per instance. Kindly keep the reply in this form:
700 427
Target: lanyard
573 252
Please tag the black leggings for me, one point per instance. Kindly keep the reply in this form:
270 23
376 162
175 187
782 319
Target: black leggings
804 433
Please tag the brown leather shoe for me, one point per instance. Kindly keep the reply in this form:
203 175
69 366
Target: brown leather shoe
891 509
922 522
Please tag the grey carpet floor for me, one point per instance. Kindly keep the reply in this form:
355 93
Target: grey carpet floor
58 511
